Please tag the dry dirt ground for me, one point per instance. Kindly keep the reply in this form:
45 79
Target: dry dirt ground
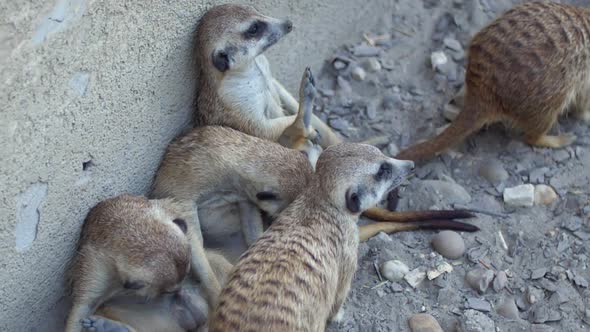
545 248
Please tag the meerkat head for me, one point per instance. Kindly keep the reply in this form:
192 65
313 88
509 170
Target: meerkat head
356 177
230 36
142 243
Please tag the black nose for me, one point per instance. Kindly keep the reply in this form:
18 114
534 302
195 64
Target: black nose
288 25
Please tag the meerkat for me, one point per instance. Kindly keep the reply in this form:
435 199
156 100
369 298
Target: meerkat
297 276
524 69
236 88
132 246
233 176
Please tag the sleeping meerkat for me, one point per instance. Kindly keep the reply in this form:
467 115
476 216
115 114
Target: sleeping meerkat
131 246
524 69
235 86
297 276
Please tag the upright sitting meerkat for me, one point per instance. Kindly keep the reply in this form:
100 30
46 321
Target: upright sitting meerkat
236 88
297 275
524 69
131 246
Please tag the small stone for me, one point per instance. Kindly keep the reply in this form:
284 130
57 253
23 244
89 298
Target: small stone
394 270
372 111
493 171
438 59
538 175
358 73
415 277
500 281
475 321
561 155
453 44
479 279
572 224
507 308
538 273
522 195
541 328
424 323
580 281
390 101
343 85
339 65
339 124
478 304
534 294
392 149
373 65
449 244
396 288
548 285
440 269
363 50
544 194
451 111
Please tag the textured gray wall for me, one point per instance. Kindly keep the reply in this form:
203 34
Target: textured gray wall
107 84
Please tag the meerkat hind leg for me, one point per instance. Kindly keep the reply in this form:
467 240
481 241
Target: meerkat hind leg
101 324
551 141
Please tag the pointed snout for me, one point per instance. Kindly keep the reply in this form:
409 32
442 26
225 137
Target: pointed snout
405 167
287 26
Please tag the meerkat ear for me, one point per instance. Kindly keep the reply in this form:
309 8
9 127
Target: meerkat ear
353 201
221 60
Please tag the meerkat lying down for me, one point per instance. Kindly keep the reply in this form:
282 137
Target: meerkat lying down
233 176
297 275
235 87
129 270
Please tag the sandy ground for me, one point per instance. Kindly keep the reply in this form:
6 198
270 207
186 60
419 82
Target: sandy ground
546 251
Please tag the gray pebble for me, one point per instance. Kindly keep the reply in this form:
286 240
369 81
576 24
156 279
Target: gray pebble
373 65
396 288
358 73
507 308
475 321
538 273
366 50
500 281
449 244
424 323
478 304
453 44
538 175
479 279
541 328
561 155
339 124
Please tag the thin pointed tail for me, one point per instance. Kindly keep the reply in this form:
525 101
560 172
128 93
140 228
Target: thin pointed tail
467 122
379 214
368 231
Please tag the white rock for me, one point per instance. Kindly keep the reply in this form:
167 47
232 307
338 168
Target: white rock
500 281
415 277
358 73
544 194
451 111
522 195
438 59
373 65
394 270
440 269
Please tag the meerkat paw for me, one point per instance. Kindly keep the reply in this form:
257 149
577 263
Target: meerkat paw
339 317
101 324
307 90
553 141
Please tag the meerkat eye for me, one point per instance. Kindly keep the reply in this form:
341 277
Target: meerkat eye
135 285
181 224
255 29
384 171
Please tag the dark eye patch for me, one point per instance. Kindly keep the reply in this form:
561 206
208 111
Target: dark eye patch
135 285
255 30
384 172
181 224
267 196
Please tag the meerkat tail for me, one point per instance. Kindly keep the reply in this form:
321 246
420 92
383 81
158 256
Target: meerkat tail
376 140
368 231
380 214
467 122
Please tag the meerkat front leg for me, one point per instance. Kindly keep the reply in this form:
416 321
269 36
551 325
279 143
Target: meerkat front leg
252 224
288 102
101 324
200 267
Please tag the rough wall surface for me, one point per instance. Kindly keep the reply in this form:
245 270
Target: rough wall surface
91 94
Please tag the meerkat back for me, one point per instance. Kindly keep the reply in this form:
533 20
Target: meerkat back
524 69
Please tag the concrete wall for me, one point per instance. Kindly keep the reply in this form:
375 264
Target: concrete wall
91 94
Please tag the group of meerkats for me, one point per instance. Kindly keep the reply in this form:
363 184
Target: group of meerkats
257 157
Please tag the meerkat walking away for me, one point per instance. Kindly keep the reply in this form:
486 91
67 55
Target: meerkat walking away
524 69
297 276
132 246
236 88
